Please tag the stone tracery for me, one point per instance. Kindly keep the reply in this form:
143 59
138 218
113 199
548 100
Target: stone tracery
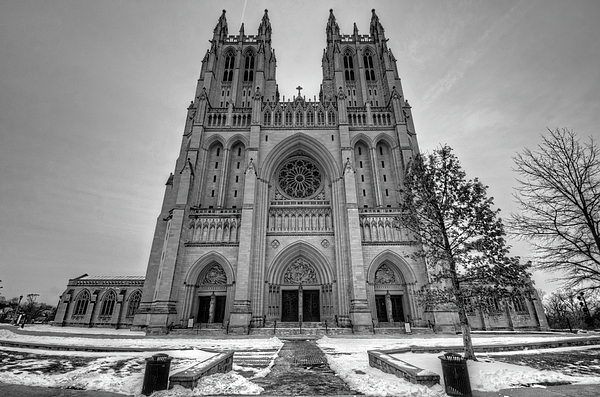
299 178
215 275
300 272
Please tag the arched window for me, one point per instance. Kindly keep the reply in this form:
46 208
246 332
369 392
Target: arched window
299 117
369 71
134 303
310 117
277 117
331 117
108 303
348 67
249 68
267 118
228 72
288 118
81 303
520 305
320 118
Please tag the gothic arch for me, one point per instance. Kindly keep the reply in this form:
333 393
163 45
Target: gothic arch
133 294
231 142
383 137
361 137
249 51
108 294
300 249
229 50
393 260
307 144
368 50
348 49
212 140
201 265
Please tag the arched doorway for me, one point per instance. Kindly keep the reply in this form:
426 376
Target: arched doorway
389 306
300 293
212 295
390 285
300 286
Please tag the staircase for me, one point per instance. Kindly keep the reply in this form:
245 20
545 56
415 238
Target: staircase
315 329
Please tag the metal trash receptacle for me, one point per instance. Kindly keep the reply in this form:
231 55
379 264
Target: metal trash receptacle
156 376
456 375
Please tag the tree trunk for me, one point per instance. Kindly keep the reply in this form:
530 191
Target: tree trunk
466 334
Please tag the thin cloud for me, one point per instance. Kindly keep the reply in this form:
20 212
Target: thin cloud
473 53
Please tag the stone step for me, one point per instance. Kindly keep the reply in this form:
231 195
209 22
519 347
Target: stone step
255 358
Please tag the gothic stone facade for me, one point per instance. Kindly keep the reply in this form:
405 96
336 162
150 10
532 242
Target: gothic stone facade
100 301
285 210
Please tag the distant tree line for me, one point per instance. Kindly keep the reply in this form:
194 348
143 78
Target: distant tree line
32 311
567 309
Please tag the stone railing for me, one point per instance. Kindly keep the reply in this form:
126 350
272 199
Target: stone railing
375 117
300 220
214 226
382 226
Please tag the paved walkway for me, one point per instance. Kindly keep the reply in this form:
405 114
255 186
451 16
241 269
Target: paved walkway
301 369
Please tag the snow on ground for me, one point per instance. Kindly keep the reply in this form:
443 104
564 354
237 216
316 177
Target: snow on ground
119 372
123 372
80 330
217 384
116 372
147 343
349 359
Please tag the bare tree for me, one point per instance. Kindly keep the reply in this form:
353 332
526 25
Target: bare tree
559 196
564 308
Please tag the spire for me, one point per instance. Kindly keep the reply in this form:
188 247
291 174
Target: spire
355 31
264 29
242 31
376 27
220 31
332 28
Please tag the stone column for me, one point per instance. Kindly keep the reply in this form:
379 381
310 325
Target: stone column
211 308
360 315
118 310
388 307
300 304
89 315
242 311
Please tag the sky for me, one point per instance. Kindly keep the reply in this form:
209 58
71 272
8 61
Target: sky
93 98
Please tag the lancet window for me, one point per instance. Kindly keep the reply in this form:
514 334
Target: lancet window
134 303
369 70
229 63
81 303
348 67
108 303
249 68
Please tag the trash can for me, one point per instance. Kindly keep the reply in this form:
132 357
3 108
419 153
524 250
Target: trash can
156 376
456 375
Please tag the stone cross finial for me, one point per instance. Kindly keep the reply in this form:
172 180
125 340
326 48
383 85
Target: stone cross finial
298 88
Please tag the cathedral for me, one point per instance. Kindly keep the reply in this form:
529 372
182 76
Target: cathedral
284 211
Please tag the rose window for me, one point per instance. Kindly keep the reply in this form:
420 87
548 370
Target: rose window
299 178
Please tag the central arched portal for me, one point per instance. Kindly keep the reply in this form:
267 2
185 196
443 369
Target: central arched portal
301 291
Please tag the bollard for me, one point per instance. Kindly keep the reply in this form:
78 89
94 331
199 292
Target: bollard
456 375
156 376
